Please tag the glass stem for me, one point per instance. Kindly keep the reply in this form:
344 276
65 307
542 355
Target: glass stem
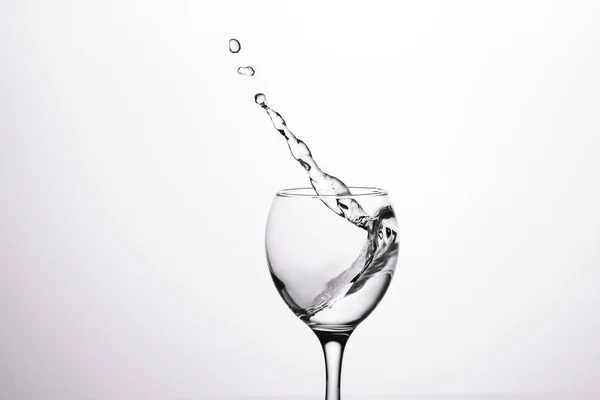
333 344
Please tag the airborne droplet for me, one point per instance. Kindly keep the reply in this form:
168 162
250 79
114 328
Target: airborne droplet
234 45
248 71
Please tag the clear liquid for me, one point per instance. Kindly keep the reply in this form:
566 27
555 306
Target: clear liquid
248 71
234 45
344 294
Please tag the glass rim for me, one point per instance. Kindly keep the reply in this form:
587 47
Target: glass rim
355 191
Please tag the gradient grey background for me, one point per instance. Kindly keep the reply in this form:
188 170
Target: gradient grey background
136 174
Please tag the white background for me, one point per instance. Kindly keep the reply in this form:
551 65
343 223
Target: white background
136 174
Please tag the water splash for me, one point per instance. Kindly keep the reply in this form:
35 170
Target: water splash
379 249
323 183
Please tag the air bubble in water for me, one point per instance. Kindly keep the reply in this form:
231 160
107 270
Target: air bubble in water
234 45
248 71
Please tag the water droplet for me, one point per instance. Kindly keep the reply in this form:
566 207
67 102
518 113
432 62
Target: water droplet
248 71
234 45
261 100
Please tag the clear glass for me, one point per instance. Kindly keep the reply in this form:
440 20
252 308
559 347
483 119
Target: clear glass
330 272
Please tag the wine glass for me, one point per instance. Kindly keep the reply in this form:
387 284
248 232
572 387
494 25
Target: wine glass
331 271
